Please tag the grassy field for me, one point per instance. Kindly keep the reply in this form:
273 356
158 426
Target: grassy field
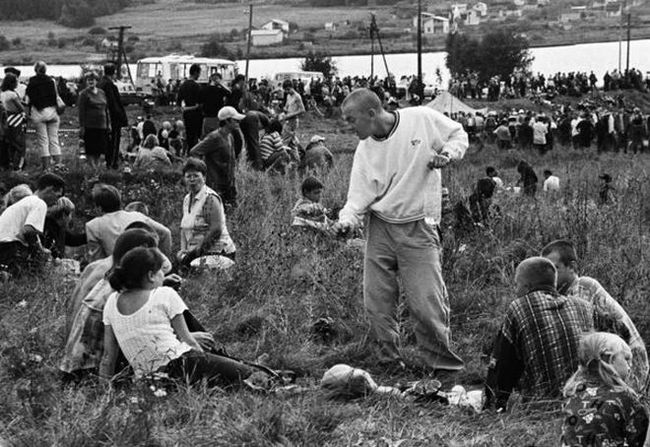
281 285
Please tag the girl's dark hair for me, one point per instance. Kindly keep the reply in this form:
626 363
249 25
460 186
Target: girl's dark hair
275 126
130 239
133 268
10 82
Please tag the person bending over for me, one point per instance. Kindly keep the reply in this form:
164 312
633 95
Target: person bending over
22 224
103 231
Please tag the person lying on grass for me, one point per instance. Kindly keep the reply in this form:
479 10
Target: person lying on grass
609 315
601 409
85 342
536 348
145 320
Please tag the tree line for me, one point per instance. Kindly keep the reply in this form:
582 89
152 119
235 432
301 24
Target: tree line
73 13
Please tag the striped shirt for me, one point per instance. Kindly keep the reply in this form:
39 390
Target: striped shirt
271 142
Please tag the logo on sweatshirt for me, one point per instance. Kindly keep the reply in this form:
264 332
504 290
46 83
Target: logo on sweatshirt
415 142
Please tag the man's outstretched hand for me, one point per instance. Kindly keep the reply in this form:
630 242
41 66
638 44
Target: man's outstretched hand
341 229
438 161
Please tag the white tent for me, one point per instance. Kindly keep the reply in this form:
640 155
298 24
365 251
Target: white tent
446 102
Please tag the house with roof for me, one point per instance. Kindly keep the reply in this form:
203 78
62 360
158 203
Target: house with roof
481 8
571 16
330 26
472 18
277 24
432 24
266 37
503 13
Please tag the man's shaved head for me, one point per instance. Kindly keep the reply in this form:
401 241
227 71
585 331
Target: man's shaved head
534 274
361 110
362 99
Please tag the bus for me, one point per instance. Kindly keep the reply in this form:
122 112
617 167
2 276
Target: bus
175 66
304 76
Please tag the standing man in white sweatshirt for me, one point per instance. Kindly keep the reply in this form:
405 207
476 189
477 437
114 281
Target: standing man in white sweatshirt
395 183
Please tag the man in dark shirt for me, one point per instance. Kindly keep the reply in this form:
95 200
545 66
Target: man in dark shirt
213 97
218 152
116 112
189 98
235 100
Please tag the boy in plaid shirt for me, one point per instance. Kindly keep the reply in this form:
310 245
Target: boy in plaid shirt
536 348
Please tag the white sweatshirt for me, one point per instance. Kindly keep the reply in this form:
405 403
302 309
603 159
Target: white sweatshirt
390 177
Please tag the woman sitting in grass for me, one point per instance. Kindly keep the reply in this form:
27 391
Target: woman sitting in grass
205 240
601 408
146 321
151 156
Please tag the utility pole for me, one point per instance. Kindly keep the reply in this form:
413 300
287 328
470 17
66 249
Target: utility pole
372 51
627 64
419 31
248 43
120 48
374 33
620 34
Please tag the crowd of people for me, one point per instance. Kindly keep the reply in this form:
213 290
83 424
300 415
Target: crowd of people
521 84
612 129
563 334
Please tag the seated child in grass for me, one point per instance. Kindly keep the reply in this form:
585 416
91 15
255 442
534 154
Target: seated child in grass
308 212
146 321
601 408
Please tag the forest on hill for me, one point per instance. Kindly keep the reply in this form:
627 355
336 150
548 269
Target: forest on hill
73 13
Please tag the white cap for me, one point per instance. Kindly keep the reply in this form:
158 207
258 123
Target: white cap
316 139
228 112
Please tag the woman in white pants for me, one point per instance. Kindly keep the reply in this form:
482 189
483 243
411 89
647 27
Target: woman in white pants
41 93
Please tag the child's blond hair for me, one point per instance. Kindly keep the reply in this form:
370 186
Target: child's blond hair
594 357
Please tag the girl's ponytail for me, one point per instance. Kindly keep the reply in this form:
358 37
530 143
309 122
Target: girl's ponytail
133 268
594 354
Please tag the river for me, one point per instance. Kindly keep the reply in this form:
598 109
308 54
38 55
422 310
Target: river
596 57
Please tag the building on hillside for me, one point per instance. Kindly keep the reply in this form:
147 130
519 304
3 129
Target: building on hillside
481 8
432 24
265 37
460 7
331 26
276 24
519 3
571 16
613 10
472 18
503 13
541 3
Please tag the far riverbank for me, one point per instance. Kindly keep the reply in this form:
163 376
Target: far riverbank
297 49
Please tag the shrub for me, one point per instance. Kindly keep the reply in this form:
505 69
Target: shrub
16 41
4 43
97 30
214 48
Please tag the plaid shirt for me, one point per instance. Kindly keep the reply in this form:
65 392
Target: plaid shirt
543 329
611 317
